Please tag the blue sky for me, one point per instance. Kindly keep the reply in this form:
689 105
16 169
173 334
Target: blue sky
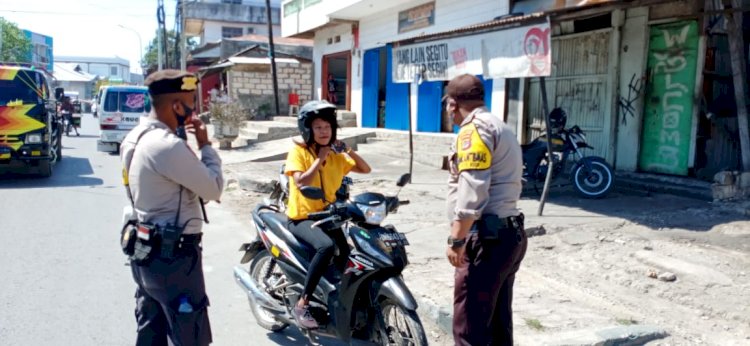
91 27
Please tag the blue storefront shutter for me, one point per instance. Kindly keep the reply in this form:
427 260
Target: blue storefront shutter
487 91
396 98
429 106
370 76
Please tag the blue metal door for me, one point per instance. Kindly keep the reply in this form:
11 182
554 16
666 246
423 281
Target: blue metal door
370 73
396 99
487 91
429 106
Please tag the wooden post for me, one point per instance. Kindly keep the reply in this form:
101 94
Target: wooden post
738 73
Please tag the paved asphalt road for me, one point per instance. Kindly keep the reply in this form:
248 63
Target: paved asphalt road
64 280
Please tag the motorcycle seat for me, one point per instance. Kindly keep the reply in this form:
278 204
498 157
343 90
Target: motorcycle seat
277 223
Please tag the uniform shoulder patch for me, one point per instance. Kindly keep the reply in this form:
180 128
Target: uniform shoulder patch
471 151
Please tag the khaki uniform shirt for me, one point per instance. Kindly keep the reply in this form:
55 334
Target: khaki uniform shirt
485 169
159 165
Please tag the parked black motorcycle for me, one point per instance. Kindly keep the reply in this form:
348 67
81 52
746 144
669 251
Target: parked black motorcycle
369 301
591 176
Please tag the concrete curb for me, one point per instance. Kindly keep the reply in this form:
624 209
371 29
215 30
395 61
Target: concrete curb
441 316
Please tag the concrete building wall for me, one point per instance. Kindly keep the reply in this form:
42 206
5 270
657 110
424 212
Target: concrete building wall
212 30
632 68
252 86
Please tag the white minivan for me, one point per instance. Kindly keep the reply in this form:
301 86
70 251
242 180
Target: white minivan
120 109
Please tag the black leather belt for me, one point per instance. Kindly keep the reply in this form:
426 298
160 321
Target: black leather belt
511 222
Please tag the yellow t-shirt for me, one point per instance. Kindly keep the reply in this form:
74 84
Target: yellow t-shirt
300 159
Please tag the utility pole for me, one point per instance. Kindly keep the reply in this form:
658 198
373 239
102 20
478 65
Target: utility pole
160 38
272 55
183 38
738 74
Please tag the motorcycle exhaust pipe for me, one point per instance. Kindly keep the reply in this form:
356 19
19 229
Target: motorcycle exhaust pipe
255 293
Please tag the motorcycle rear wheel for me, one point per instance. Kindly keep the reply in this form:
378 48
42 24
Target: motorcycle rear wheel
595 183
403 326
260 267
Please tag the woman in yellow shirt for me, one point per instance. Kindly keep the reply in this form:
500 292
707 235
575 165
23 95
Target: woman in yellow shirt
314 162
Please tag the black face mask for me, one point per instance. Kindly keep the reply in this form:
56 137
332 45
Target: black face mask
180 130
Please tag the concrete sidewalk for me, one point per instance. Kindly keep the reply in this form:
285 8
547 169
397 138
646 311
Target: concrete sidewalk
570 314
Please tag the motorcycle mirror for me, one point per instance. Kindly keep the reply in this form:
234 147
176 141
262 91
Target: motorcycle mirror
312 192
403 180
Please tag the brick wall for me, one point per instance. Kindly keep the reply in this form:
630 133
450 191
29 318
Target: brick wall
252 86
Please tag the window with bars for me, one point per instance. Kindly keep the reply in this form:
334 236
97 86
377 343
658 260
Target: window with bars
229 32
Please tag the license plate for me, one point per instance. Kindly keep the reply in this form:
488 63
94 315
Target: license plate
394 239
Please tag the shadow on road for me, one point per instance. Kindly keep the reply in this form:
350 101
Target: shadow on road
71 171
655 211
292 336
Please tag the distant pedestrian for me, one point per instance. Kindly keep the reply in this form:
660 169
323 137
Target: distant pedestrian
214 93
331 89
487 240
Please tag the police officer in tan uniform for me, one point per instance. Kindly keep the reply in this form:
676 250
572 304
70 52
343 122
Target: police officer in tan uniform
165 179
487 240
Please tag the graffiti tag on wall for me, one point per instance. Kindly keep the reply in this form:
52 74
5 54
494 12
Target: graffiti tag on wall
627 103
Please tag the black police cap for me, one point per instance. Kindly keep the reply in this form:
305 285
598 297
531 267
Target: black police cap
171 81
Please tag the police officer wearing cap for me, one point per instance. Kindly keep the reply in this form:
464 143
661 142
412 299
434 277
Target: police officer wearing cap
487 241
166 181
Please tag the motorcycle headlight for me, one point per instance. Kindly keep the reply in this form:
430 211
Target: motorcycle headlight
33 138
374 215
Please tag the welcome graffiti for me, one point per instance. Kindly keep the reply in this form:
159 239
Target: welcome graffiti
667 130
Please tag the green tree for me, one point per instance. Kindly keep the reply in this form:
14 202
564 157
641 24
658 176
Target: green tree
153 50
14 45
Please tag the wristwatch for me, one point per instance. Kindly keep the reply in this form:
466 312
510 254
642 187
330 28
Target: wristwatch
456 243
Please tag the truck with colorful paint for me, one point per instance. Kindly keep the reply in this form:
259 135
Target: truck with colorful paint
120 109
30 140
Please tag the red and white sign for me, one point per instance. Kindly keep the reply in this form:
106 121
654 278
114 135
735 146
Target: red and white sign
509 53
519 52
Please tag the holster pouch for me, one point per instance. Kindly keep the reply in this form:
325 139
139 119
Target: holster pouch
128 237
170 236
144 244
489 226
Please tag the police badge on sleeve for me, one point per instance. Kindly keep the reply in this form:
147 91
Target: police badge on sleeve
472 153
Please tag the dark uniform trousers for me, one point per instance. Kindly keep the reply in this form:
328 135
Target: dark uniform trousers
483 292
161 284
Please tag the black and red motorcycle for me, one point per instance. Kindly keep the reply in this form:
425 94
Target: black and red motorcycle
369 301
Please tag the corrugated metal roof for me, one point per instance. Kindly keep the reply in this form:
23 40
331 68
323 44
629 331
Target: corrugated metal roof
66 72
276 40
476 28
93 59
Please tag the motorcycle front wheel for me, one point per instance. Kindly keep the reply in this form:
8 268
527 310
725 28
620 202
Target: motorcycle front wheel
402 326
595 182
261 267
